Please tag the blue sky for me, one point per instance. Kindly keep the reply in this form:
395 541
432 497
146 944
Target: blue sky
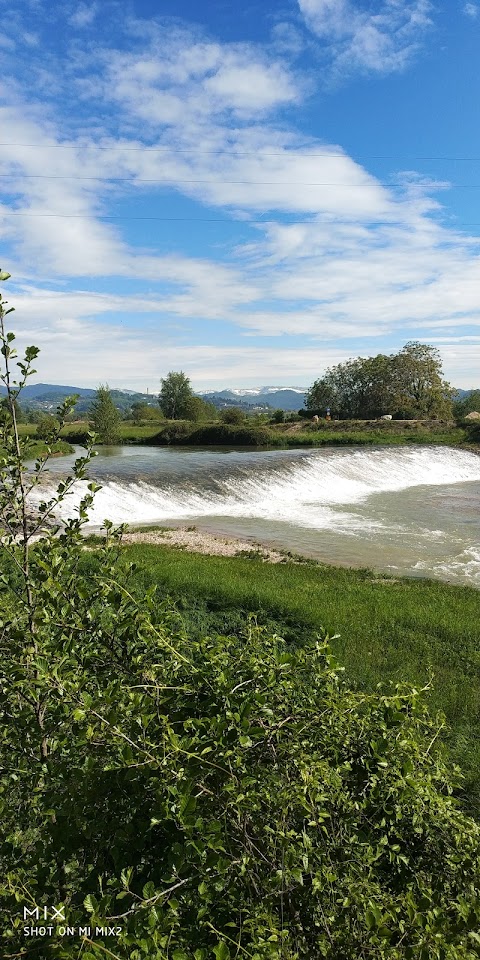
249 194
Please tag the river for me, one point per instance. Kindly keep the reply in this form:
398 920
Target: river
405 510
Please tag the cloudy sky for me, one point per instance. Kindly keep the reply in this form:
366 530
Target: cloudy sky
249 193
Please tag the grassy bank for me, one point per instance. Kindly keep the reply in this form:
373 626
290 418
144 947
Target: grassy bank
311 435
285 435
60 449
39 448
388 629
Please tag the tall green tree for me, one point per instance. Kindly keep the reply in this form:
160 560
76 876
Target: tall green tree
360 388
144 411
175 396
104 416
408 384
198 410
47 426
418 385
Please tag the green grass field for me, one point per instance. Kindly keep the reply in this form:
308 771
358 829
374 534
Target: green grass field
75 432
400 630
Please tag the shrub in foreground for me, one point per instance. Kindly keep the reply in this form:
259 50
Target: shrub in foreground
226 792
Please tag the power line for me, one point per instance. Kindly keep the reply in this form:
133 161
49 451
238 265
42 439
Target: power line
287 153
280 223
88 216
269 183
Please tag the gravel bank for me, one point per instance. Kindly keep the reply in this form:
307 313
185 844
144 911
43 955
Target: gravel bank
200 541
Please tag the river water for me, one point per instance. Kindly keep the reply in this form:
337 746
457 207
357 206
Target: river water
405 510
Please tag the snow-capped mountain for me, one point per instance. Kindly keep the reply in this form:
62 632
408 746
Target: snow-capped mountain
262 391
282 398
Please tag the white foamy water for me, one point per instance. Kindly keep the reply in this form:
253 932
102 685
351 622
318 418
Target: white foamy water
465 565
411 509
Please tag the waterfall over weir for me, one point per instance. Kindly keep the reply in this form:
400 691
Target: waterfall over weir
412 509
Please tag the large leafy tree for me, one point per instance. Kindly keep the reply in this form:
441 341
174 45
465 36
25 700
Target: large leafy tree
105 418
408 384
47 425
419 389
359 388
144 411
197 410
175 396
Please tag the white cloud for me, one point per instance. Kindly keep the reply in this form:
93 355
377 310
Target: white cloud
92 351
461 361
31 39
83 15
250 87
471 10
381 38
179 77
81 346
387 279
287 39
78 243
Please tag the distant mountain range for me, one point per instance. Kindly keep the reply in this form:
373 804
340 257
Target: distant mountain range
35 391
255 391
47 396
265 398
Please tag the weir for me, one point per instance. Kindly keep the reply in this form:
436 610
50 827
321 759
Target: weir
416 508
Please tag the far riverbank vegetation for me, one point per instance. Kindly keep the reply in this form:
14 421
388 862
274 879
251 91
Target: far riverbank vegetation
386 400
299 432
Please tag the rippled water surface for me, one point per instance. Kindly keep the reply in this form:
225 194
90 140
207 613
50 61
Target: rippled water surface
413 510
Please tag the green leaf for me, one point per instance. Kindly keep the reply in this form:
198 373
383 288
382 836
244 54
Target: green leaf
126 876
222 951
90 903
